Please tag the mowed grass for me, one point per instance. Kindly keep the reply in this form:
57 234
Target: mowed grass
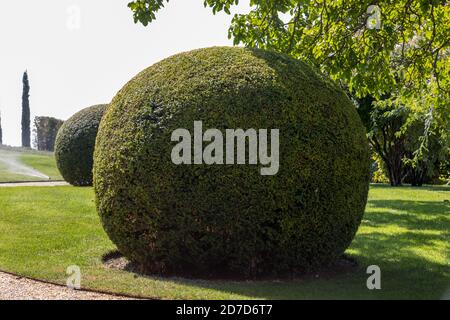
6 175
44 162
405 232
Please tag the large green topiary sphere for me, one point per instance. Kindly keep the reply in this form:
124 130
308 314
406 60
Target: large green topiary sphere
214 219
74 145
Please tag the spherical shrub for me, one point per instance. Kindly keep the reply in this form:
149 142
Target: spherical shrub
74 145
229 219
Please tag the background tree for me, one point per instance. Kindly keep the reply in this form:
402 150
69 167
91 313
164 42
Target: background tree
353 41
425 149
396 50
388 141
409 143
444 169
45 131
1 131
26 130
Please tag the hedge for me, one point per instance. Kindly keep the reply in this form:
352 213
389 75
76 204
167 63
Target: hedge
215 220
74 146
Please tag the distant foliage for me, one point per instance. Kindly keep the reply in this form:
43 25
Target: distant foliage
74 147
378 170
45 131
410 147
388 141
445 170
26 129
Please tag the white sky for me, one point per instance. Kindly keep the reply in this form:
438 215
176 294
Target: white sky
70 69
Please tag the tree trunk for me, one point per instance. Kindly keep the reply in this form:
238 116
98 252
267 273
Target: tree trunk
395 170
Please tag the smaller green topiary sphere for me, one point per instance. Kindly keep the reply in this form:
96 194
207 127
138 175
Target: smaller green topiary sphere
74 146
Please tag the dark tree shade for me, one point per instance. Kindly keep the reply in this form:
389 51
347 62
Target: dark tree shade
26 131
46 129
387 141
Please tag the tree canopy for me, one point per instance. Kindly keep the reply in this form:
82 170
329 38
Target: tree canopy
396 52
353 41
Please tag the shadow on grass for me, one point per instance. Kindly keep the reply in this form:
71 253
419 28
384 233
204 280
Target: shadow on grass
409 187
413 215
433 188
406 274
408 270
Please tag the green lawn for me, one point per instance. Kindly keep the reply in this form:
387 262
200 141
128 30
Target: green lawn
6 175
405 231
22 160
44 163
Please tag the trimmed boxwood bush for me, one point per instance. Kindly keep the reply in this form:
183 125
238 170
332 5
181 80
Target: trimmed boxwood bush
229 219
74 146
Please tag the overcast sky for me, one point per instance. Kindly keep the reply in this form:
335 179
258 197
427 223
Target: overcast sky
72 66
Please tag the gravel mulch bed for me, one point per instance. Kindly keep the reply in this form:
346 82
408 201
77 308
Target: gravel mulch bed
16 288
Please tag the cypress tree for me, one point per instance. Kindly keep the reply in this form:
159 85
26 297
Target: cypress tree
1 132
26 131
